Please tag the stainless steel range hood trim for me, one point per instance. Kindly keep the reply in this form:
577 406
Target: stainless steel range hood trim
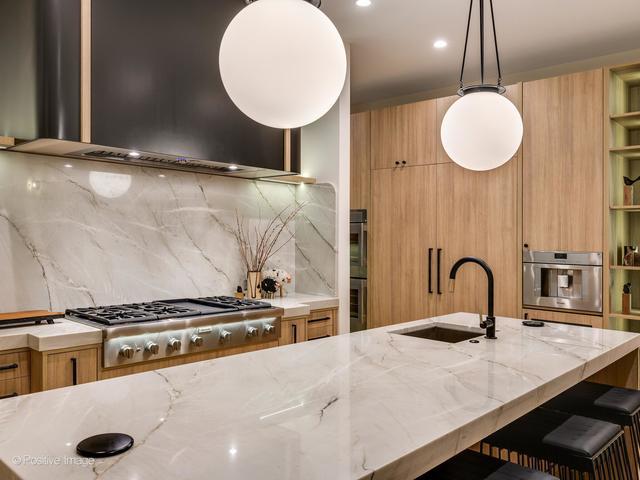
83 151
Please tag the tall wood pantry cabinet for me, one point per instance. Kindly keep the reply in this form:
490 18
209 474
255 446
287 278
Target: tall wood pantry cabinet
429 212
563 163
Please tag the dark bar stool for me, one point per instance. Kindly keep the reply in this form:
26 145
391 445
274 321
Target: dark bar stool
570 446
611 404
470 465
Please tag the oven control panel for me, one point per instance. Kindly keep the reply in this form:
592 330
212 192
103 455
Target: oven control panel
144 347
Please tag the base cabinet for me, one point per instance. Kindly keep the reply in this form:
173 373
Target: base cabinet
318 324
64 368
564 317
15 369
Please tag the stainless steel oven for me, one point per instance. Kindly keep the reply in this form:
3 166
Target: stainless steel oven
358 261
562 280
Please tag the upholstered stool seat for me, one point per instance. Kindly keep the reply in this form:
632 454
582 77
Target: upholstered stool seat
470 465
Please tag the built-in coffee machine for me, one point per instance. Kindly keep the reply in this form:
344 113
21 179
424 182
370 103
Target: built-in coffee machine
562 280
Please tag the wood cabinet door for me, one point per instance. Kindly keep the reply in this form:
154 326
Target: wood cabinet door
478 217
293 331
402 230
563 163
71 368
360 160
404 133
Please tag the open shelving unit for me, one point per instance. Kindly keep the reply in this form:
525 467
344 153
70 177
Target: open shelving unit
622 158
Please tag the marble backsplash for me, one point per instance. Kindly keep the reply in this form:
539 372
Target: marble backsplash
77 233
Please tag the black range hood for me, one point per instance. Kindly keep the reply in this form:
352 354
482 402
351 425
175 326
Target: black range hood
133 82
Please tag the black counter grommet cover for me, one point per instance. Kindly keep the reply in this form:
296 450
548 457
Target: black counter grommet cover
105 445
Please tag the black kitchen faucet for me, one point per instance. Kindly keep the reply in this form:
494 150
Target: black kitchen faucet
489 323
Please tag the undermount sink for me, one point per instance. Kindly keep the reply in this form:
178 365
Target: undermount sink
443 333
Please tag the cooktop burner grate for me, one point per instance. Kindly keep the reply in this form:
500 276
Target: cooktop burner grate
240 304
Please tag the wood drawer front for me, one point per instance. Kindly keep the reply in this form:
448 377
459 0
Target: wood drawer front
320 324
14 365
319 329
14 387
564 317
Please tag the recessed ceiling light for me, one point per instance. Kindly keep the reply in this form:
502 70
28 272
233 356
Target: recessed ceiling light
363 3
440 43
232 167
68 165
134 154
162 175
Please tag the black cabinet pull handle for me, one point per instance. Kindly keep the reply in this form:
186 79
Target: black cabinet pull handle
11 366
430 262
319 319
397 163
438 270
74 370
14 394
294 332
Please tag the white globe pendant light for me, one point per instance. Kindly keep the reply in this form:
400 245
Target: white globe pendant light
483 129
282 62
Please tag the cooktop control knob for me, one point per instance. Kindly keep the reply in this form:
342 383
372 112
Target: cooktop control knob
268 328
127 352
174 344
225 336
196 340
152 347
252 331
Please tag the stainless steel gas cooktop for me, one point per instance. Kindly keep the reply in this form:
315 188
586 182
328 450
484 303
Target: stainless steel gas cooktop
142 332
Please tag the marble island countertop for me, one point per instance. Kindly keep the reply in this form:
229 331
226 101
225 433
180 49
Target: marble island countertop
62 334
367 404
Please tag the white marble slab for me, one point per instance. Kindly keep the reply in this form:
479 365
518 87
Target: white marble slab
299 304
369 404
62 334
77 233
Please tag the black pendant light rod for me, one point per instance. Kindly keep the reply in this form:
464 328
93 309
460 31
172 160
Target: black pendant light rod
482 87
495 42
482 42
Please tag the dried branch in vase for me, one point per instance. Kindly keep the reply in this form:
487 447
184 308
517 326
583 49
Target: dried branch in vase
258 245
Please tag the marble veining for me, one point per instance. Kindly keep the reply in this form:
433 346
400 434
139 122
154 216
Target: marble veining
371 404
77 233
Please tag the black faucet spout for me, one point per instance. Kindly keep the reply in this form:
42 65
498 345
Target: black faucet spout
489 323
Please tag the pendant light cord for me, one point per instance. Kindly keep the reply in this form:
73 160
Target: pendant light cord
466 43
495 42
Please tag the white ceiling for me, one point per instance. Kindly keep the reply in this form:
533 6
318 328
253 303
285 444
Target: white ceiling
392 50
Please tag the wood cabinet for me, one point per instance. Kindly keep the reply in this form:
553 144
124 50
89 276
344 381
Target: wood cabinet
318 324
403 135
63 368
402 236
562 163
15 370
478 216
360 160
563 317
424 218
294 330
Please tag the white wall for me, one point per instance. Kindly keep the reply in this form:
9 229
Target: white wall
325 156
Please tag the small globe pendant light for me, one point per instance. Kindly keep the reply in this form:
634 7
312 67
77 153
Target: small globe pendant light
283 62
483 129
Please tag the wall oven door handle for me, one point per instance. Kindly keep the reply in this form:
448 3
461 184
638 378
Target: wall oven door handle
439 260
429 276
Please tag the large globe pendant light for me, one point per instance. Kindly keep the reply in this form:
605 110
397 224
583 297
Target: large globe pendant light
282 62
483 129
